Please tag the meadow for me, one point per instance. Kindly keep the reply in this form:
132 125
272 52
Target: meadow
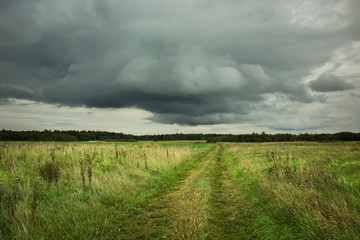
179 190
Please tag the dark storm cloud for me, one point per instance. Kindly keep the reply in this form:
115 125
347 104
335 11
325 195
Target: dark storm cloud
330 83
189 62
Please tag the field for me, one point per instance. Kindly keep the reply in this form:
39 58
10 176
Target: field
179 190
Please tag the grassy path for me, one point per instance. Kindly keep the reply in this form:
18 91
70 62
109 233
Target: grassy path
188 204
161 216
226 208
205 204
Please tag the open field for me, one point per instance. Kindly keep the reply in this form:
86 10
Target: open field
179 190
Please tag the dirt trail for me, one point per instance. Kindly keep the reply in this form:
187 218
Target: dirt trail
205 205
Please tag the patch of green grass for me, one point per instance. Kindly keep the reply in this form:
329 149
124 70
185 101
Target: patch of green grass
229 216
300 191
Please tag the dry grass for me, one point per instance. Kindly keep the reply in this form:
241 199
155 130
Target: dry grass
188 205
118 175
190 216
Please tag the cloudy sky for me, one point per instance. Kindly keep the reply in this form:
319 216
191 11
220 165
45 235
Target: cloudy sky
167 66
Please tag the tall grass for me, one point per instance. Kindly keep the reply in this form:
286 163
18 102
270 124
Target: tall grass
78 190
106 190
298 189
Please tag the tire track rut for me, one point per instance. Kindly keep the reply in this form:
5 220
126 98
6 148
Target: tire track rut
225 203
188 205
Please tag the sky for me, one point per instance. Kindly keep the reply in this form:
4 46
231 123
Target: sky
189 66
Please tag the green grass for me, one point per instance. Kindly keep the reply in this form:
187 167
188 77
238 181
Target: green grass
300 190
179 190
35 207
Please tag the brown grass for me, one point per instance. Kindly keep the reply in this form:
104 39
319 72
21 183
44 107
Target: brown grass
188 205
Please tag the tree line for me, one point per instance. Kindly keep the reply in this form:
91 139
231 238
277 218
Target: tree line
287 137
48 135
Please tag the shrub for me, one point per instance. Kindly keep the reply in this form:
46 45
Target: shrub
50 171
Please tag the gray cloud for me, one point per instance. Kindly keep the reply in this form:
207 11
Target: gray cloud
193 62
328 82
